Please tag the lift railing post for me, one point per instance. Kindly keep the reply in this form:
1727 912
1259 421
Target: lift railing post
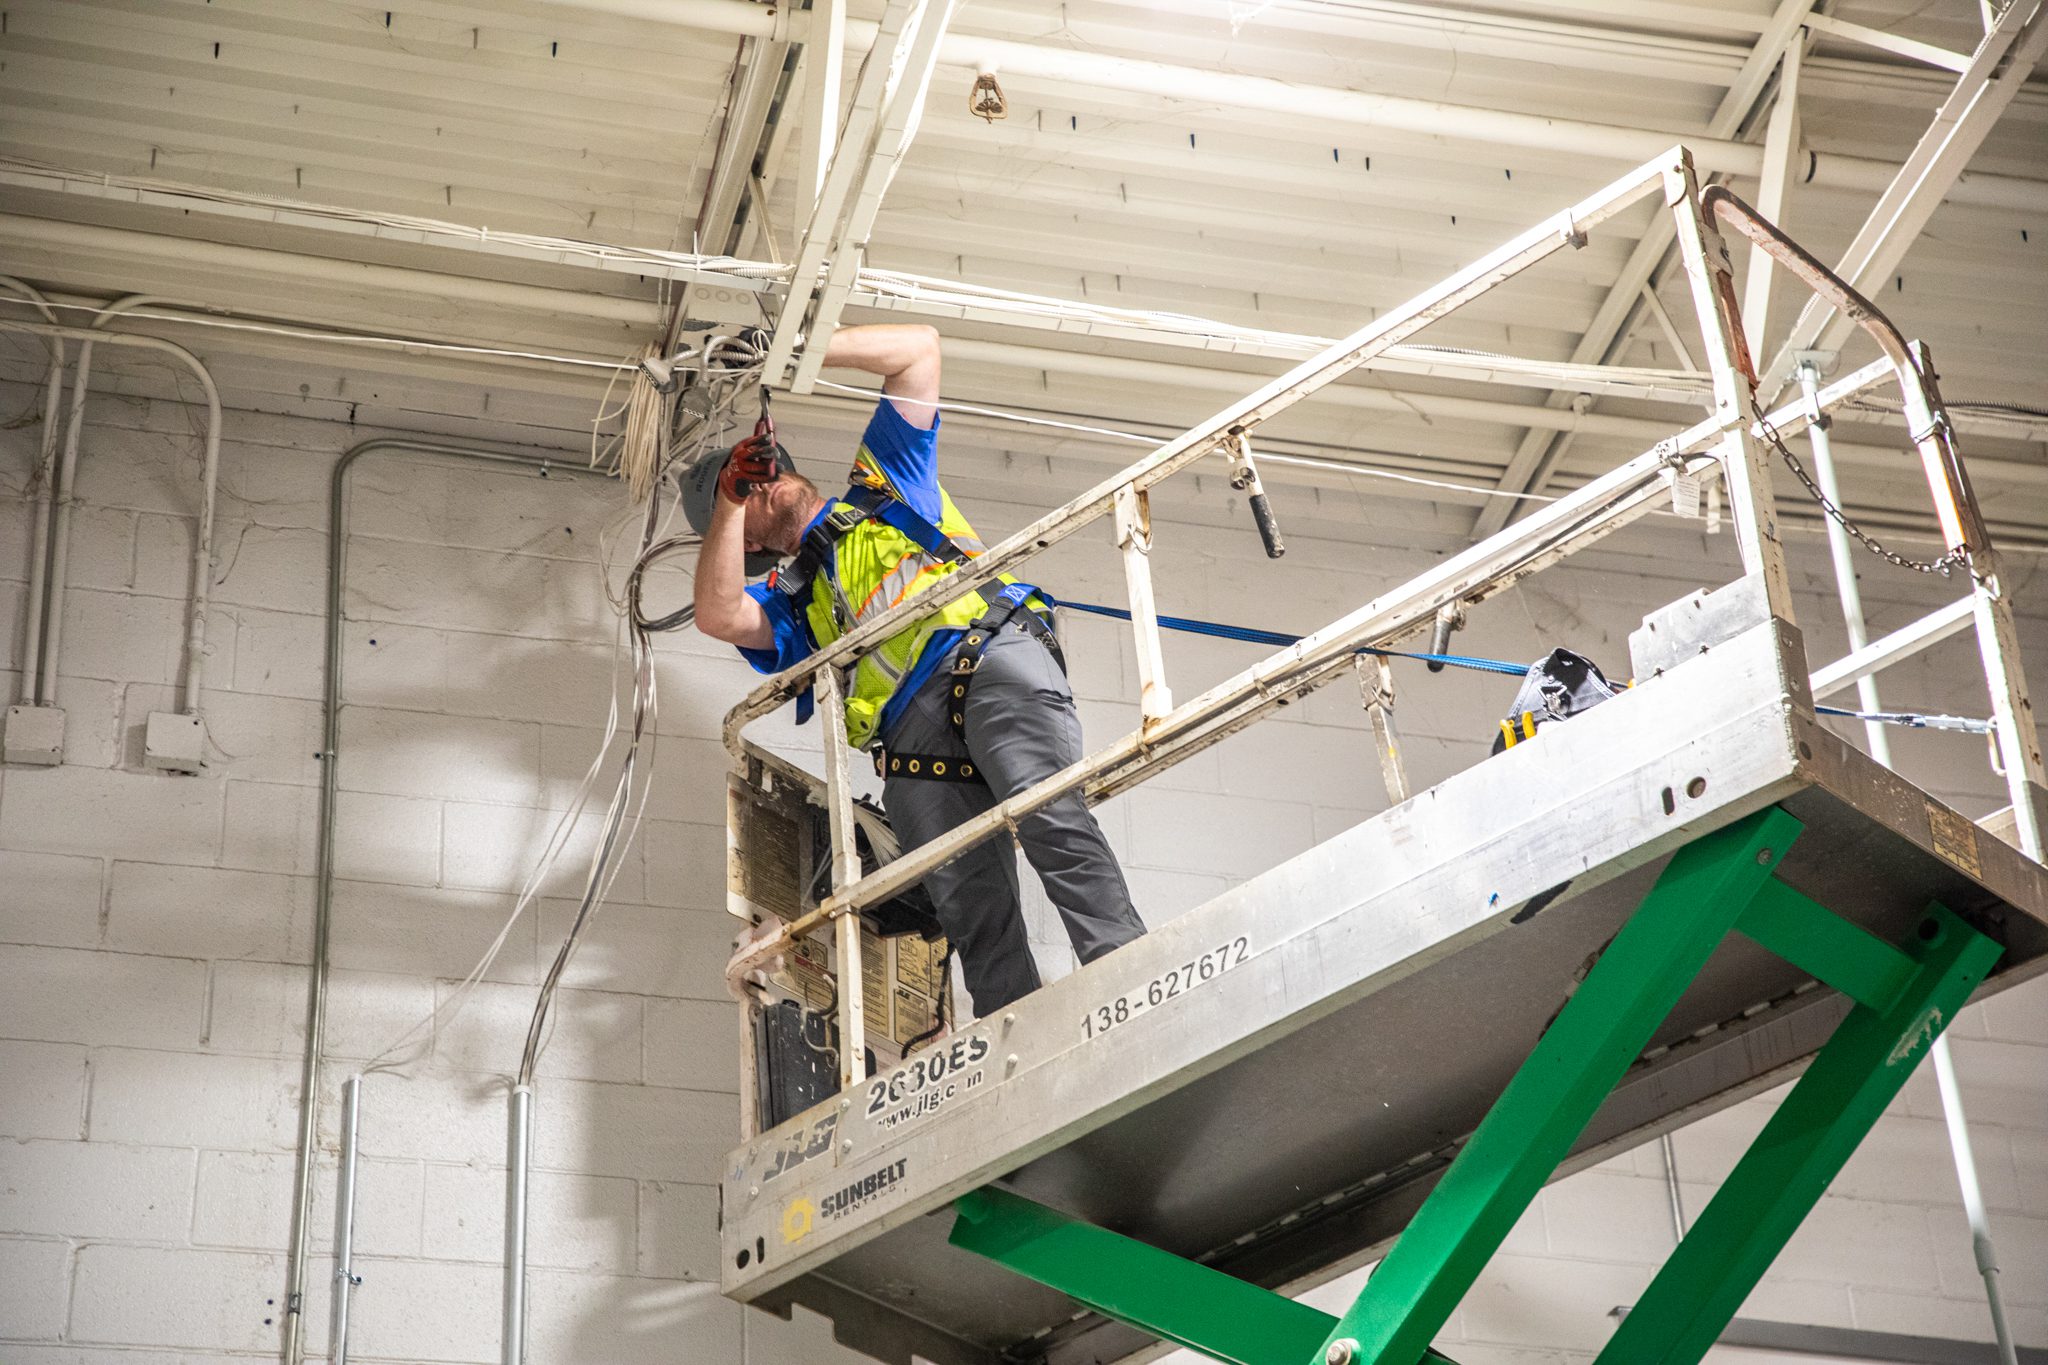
1962 525
1134 538
853 1041
1743 468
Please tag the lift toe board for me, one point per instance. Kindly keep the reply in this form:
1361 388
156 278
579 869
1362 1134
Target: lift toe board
1272 1083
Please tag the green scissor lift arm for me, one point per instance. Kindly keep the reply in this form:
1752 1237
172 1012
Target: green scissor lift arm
1904 996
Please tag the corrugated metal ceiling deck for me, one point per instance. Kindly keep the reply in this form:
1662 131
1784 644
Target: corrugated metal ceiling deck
526 116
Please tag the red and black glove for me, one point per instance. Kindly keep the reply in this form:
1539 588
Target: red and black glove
752 464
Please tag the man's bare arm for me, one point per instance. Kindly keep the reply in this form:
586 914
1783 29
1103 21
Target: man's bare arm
906 355
724 610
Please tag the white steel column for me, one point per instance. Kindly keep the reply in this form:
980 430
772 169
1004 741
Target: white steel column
1844 555
848 164
1781 140
740 145
1998 69
824 56
891 141
1880 749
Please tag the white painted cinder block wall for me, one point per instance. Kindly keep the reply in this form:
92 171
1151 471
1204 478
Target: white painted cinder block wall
154 930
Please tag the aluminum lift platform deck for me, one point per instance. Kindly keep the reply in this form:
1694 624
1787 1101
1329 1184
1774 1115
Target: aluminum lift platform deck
1271 1084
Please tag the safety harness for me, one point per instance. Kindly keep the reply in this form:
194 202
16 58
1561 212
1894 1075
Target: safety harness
1557 686
819 552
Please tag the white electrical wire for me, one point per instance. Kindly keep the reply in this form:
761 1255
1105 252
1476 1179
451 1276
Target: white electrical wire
402 1051
350 338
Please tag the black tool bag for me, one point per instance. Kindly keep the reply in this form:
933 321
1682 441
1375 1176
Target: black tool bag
1558 686
909 911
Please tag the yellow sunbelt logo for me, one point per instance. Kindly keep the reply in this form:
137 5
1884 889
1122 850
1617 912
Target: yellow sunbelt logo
796 1220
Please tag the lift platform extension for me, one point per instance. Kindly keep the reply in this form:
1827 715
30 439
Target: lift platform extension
1687 895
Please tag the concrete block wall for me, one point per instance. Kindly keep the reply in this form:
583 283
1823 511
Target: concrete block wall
154 930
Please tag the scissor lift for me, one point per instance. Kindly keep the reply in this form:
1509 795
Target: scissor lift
1685 896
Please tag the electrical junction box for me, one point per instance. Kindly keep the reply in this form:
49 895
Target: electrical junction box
723 305
34 735
175 743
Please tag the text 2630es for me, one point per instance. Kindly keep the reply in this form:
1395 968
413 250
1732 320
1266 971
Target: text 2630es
1165 986
929 1068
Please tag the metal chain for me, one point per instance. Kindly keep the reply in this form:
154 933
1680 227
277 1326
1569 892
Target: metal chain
1954 559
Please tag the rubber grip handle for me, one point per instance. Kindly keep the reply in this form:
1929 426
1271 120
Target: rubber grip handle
1440 643
1269 529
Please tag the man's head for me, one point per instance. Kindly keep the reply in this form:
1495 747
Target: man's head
774 514
777 513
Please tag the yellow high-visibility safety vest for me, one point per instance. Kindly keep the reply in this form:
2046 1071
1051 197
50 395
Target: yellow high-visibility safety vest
875 567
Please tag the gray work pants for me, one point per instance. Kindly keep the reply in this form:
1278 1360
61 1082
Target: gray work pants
1021 728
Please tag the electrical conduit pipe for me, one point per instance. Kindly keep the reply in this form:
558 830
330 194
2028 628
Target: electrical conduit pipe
202 569
42 481
202 549
292 1350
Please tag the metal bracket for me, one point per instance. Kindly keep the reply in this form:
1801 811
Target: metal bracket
1376 693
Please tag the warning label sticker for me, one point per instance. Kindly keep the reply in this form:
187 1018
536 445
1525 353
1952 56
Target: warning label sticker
1955 838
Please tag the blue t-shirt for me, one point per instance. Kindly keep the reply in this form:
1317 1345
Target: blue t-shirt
908 457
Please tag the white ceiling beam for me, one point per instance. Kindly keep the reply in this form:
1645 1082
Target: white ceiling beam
1892 42
1540 450
1712 17
1998 68
277 275
1672 336
189 201
321 312
741 141
372 283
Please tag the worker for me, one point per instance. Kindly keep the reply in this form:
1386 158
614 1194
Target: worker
964 707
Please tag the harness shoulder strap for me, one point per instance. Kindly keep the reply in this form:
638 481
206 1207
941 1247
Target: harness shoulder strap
815 554
900 517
